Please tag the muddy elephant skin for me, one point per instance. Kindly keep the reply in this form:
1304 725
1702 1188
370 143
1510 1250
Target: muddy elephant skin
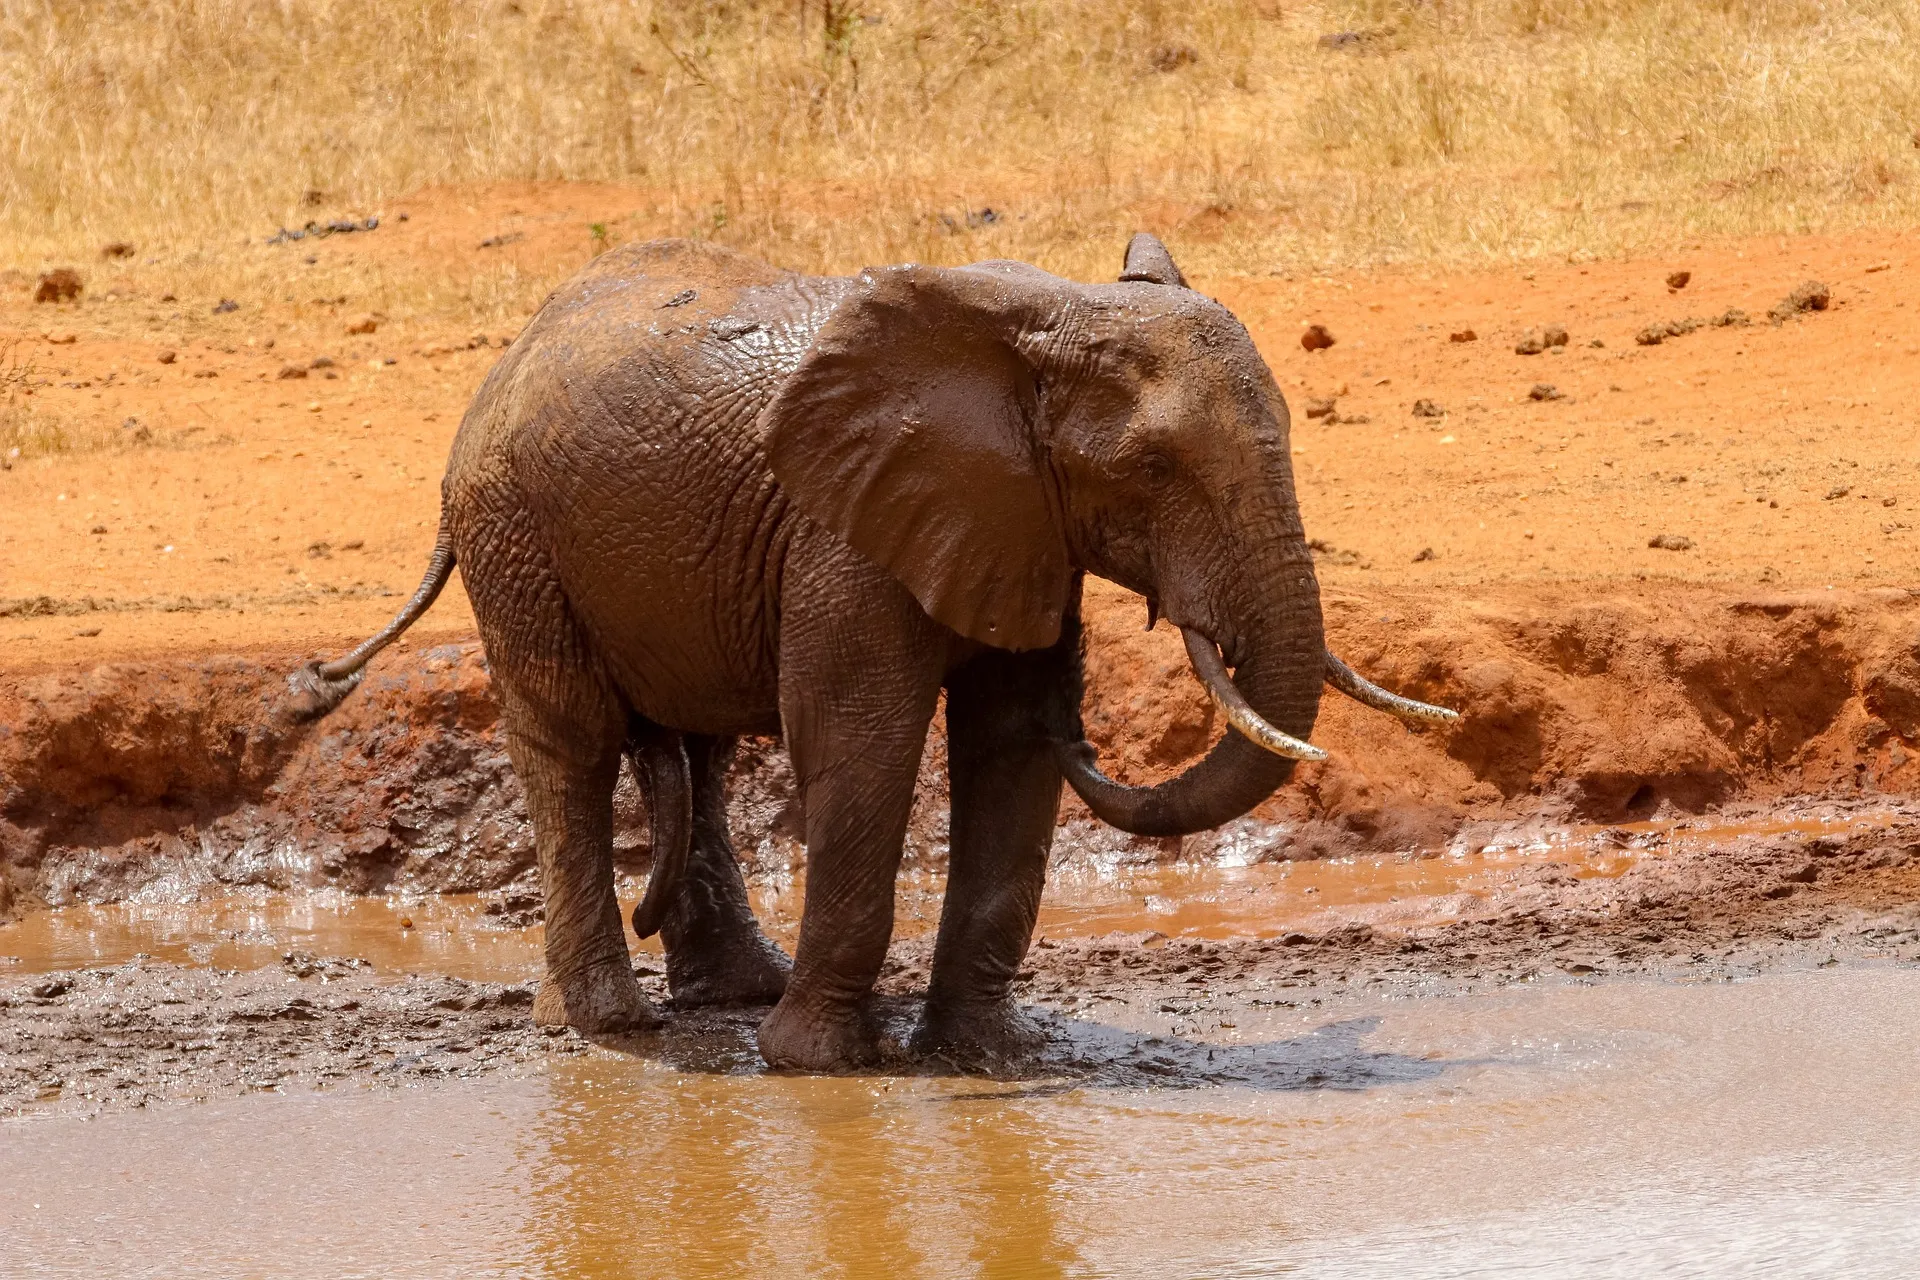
701 497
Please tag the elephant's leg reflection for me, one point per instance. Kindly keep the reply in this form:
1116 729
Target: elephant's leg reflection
716 953
1006 792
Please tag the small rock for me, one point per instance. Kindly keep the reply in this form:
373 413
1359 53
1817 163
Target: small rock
167 357
1554 335
62 284
1651 336
1545 391
1879 266
52 988
62 337
1732 317
365 324
1596 343
1678 280
1427 409
1316 338
1320 408
1839 491
1463 335
225 306
1670 542
320 362
1811 296
1424 554
292 371
320 551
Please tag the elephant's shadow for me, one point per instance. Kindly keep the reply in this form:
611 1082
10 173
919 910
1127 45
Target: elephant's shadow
1078 1054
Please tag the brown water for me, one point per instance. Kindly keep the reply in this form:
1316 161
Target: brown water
1084 898
1769 1127
452 934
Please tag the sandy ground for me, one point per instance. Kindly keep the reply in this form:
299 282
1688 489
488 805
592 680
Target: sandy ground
271 510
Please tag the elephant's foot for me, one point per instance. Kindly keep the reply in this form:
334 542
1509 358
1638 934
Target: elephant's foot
979 1035
824 1042
744 970
602 999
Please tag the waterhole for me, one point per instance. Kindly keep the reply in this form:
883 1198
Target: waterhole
1766 1127
1630 1127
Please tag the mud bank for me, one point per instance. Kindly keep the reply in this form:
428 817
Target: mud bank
154 779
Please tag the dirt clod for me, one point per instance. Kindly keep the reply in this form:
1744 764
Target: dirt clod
1427 409
1534 341
365 324
291 371
1425 554
1545 391
1463 335
62 284
1670 542
1172 57
1321 407
1810 296
1316 338
226 306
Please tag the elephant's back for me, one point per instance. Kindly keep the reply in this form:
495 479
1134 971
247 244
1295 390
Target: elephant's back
620 432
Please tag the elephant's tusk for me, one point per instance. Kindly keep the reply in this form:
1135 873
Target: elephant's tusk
1207 664
1364 691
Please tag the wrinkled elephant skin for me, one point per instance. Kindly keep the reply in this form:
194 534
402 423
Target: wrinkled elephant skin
701 497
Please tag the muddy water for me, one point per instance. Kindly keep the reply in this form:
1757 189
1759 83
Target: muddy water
451 934
1771 1126
1085 897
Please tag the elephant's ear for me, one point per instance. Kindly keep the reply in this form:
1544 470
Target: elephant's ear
1149 261
910 430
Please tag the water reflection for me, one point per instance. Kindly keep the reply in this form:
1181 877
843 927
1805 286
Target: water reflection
649 1172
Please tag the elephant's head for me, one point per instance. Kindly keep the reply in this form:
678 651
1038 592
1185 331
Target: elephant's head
984 432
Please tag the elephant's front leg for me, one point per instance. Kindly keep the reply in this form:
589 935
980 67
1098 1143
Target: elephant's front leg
1006 797
860 669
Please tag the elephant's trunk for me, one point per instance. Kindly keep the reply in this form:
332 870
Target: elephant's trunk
1271 703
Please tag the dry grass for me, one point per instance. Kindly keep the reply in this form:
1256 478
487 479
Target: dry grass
826 136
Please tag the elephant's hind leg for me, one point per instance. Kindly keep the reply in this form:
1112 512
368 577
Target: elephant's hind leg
567 766
716 953
565 729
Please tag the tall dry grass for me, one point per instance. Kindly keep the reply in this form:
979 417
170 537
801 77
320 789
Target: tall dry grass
826 134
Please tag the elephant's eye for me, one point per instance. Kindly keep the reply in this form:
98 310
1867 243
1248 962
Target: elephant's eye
1157 468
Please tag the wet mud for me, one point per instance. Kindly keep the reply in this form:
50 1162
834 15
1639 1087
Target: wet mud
1689 901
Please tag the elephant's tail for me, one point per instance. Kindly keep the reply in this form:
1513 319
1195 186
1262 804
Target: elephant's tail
320 687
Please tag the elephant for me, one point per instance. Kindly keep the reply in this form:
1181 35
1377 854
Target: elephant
701 497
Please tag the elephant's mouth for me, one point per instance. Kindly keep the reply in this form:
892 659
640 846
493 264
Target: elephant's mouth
1243 769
